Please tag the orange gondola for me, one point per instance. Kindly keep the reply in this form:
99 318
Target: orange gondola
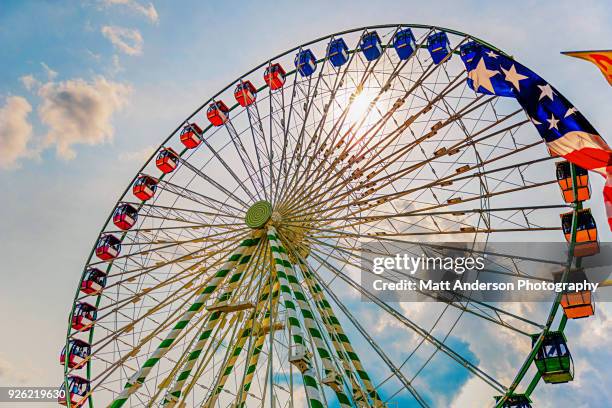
576 305
566 182
586 232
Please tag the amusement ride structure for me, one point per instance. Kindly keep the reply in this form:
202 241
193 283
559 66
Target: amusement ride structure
227 274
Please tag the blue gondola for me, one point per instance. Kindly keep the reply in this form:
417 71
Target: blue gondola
337 52
305 62
438 46
404 43
468 52
515 401
371 46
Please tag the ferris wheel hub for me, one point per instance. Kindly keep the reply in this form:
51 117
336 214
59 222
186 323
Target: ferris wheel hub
277 217
258 214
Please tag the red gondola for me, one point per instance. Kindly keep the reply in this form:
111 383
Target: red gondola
144 187
93 281
78 353
245 93
108 247
78 388
84 316
566 182
275 76
217 113
167 160
125 216
586 232
191 135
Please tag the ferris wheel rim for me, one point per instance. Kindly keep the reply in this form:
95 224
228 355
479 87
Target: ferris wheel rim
213 98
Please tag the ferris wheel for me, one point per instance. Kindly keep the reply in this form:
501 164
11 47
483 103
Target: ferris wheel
227 274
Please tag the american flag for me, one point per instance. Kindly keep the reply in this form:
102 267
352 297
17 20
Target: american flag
567 132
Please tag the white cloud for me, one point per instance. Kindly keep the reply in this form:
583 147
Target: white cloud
127 40
93 55
51 74
138 156
599 333
115 67
148 11
10 374
15 130
29 82
79 112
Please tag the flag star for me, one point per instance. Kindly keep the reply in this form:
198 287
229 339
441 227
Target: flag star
514 77
570 111
491 54
481 76
546 90
535 121
553 122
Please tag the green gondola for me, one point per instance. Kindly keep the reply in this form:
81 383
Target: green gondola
554 360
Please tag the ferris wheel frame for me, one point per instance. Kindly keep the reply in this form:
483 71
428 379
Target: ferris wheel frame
554 307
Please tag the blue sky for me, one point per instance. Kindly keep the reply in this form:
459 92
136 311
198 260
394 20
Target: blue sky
143 67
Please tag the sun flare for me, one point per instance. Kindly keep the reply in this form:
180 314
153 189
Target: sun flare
363 106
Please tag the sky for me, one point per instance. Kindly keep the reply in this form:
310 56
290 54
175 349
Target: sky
88 89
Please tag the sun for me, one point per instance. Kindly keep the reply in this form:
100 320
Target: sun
360 108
